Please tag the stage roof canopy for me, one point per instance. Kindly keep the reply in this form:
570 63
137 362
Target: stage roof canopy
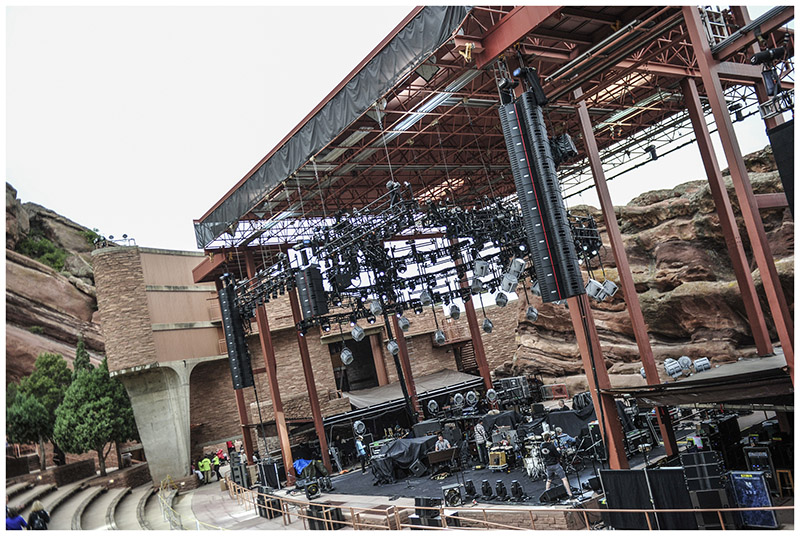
422 108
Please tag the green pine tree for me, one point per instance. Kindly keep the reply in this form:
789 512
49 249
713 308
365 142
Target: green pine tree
26 420
47 384
95 413
82 361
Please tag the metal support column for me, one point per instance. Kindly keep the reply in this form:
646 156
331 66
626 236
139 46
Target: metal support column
781 316
727 221
597 378
405 365
270 364
623 268
377 357
308 373
474 329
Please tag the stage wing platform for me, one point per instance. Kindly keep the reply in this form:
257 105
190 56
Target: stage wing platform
427 386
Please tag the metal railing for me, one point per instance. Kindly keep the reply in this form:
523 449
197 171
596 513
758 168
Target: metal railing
478 518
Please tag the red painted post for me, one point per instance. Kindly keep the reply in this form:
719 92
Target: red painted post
377 358
727 221
268 350
308 373
741 182
583 323
405 366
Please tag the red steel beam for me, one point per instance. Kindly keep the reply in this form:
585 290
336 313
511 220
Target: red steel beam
776 299
593 363
623 267
749 38
405 366
775 200
308 373
727 221
270 367
377 357
511 29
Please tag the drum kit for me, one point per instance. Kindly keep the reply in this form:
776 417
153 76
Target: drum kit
533 461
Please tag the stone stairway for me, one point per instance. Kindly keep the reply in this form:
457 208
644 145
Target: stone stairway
154 520
61 516
125 513
95 516
23 501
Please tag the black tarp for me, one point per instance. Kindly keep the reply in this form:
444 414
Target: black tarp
412 45
504 418
572 422
400 454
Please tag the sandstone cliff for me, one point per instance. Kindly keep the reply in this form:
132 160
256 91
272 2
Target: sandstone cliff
47 310
684 279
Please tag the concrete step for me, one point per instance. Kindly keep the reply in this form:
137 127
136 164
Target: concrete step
95 517
55 499
125 513
24 500
16 489
111 510
183 507
61 517
77 516
154 519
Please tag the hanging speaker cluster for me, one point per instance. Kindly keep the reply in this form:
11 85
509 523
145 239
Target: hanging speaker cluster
235 341
313 299
550 243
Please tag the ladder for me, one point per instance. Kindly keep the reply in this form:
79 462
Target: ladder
714 21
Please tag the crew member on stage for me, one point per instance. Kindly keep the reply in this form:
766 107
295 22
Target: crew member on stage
552 457
480 441
563 439
442 443
362 453
561 406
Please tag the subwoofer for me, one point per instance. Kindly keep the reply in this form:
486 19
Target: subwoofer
554 494
417 468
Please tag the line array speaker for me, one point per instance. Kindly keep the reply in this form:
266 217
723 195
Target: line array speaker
238 353
313 299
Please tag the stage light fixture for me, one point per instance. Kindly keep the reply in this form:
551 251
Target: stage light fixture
375 307
346 356
685 362
425 298
643 373
469 489
404 323
352 320
609 287
357 333
359 428
672 368
517 265
535 289
455 312
509 283
500 299
491 395
393 347
702 364
500 490
532 314
477 286
471 398
651 150
488 326
418 310
433 407
486 489
458 399
595 289
516 491
481 268
439 337
326 327
371 319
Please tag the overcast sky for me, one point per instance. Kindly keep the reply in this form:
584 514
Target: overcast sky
137 120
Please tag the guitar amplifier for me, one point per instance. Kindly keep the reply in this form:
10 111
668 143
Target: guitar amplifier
497 459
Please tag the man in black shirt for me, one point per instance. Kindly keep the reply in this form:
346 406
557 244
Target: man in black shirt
551 457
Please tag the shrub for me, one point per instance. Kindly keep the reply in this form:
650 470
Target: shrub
36 330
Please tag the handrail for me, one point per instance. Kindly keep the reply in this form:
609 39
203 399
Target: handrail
171 515
392 515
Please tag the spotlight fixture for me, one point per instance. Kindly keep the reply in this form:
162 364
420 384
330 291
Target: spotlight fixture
486 490
535 289
469 489
458 399
433 407
643 373
501 299
393 347
357 333
685 362
403 323
609 287
477 286
346 356
455 312
371 319
500 491
481 268
439 337
517 492
651 150
425 298
326 327
594 289
517 265
491 395
532 314
488 326
418 310
375 307
509 283
471 398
